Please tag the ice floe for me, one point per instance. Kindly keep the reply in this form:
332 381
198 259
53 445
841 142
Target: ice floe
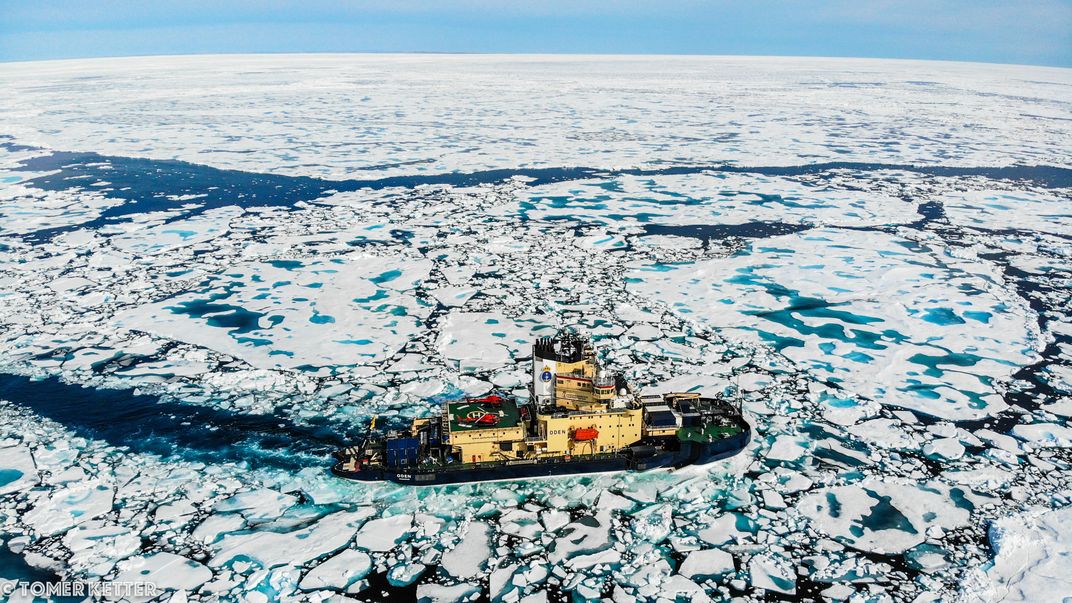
705 563
896 320
291 313
704 200
338 572
383 534
268 549
17 469
884 517
167 571
1001 210
1031 561
618 111
898 335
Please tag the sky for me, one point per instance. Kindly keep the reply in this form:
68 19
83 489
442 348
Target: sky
1037 32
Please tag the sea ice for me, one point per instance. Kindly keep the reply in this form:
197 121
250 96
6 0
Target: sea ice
384 533
937 357
773 572
272 549
157 238
883 517
706 563
925 287
166 570
58 511
485 339
96 546
430 592
619 111
17 469
787 448
466 559
705 199
1045 434
290 313
1000 210
338 572
721 530
1032 561
944 448
587 534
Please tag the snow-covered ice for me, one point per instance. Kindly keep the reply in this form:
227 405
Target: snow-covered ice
338 572
1032 560
884 290
290 313
884 517
166 571
906 322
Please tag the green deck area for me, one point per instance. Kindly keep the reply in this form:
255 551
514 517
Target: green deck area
507 413
709 433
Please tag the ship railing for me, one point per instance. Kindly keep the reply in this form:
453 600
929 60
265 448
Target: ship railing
604 381
550 460
603 411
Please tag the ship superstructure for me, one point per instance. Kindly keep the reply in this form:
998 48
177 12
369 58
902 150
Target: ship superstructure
578 418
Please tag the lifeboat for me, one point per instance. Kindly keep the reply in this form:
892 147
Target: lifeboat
585 434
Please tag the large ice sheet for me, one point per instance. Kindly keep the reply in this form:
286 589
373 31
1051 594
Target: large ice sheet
338 572
1020 210
903 322
481 340
59 511
350 310
157 236
1031 561
706 200
883 516
267 549
166 571
470 554
384 533
17 469
618 111
836 488
25 210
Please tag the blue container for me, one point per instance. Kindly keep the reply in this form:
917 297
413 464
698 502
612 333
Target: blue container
402 451
661 418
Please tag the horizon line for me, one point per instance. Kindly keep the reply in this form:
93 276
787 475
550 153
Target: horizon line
23 61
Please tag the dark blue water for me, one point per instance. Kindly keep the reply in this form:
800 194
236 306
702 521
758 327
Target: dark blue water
224 316
14 567
799 306
145 184
883 516
170 429
929 211
709 232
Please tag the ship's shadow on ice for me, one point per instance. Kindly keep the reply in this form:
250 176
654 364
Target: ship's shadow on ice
146 424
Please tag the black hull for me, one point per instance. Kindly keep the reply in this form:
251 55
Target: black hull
690 453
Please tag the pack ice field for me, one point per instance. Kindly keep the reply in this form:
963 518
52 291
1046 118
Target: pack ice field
216 270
